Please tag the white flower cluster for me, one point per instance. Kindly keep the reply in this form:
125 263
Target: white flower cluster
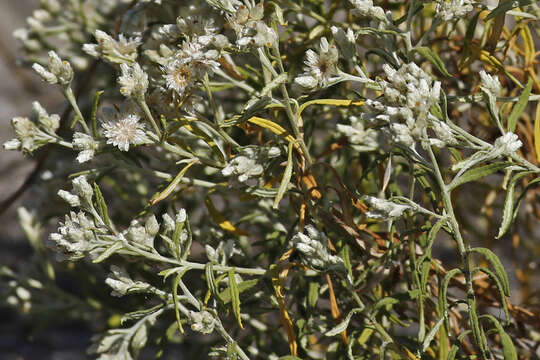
250 29
314 252
248 162
189 65
384 209
490 83
321 68
123 50
365 8
32 135
504 145
57 72
125 131
202 321
360 138
133 81
75 236
453 9
409 93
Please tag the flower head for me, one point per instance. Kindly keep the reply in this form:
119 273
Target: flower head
124 132
133 81
123 50
320 67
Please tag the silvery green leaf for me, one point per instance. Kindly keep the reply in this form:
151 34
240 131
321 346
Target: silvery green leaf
342 326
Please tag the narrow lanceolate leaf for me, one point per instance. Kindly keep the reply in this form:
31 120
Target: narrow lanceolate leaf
333 102
342 326
286 178
505 7
477 331
102 206
93 116
176 301
537 132
498 284
478 173
273 127
433 58
509 204
432 333
235 297
509 351
497 266
443 291
519 107
170 188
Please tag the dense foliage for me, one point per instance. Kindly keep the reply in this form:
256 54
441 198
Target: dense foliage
290 179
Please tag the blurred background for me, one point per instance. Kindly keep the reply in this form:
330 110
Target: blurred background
19 86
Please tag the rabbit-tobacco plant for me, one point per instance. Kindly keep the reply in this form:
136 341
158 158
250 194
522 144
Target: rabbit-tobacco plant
284 178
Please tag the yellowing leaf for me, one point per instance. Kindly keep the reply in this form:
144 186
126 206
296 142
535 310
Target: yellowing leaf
277 282
537 133
221 220
170 188
334 102
273 127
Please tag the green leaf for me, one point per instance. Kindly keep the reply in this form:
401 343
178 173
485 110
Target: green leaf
497 266
93 116
170 188
225 295
478 173
499 287
235 297
519 107
433 58
289 357
286 177
101 205
313 294
509 204
210 279
477 330
387 301
342 326
443 289
506 6
109 252
432 333
533 182
509 351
